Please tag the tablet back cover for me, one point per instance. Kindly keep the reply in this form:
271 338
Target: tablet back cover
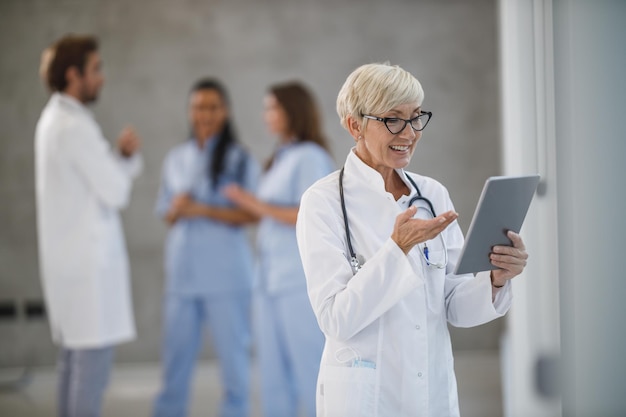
502 206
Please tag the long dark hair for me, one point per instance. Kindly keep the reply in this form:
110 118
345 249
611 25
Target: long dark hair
303 116
226 138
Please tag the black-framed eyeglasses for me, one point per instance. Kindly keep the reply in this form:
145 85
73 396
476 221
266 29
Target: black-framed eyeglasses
396 125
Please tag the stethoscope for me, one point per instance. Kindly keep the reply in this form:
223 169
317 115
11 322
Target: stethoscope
356 263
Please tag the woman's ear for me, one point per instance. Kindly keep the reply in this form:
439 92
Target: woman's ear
354 127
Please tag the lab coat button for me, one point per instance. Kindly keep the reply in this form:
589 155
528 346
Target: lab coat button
419 374
417 327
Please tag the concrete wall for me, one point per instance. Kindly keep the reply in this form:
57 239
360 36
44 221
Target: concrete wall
154 50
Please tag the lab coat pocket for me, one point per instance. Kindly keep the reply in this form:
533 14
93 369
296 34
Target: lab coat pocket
348 391
435 281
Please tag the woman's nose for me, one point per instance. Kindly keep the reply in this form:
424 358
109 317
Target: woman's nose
412 132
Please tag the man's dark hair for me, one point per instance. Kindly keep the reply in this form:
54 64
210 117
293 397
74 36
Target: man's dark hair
70 51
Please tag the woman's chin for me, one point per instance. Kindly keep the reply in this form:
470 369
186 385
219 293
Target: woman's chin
401 162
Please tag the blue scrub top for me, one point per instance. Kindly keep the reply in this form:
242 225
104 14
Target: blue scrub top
295 168
205 256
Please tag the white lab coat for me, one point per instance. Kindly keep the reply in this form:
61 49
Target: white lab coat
81 185
388 350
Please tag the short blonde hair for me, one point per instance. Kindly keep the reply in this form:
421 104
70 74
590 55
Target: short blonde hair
375 89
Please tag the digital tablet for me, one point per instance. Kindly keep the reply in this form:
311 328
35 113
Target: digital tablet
502 206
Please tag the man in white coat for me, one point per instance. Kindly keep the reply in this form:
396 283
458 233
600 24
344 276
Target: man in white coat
82 185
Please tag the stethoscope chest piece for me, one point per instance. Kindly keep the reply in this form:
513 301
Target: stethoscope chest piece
356 261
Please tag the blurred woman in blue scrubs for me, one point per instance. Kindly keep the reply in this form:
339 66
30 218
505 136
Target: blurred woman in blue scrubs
288 338
208 261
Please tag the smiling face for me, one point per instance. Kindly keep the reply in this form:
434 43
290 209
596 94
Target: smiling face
207 113
381 150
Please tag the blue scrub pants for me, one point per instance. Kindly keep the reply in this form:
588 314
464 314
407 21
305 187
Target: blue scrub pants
290 346
83 378
227 317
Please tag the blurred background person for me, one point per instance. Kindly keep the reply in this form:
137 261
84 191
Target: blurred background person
288 338
81 185
208 259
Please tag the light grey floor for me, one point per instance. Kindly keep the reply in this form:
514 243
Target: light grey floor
133 387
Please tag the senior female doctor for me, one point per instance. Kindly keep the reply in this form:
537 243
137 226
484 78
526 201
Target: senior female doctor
385 314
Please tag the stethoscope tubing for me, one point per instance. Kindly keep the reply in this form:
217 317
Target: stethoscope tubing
345 217
353 258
